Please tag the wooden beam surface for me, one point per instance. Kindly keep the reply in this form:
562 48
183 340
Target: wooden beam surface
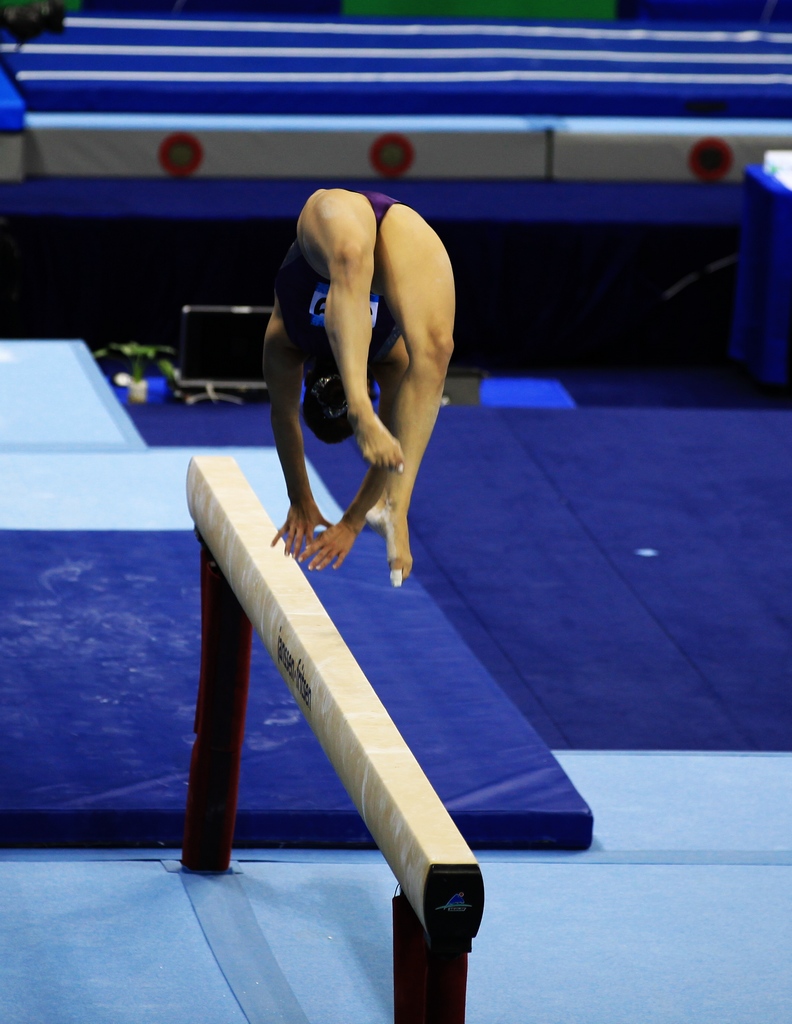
406 818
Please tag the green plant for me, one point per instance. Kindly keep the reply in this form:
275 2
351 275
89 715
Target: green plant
139 357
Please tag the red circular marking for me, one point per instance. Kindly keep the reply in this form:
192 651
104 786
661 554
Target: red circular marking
180 154
392 155
711 159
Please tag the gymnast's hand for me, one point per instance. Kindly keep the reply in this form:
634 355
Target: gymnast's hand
299 528
332 546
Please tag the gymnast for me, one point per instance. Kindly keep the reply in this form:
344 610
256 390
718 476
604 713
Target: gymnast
366 291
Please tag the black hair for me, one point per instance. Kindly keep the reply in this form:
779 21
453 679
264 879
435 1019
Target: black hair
324 403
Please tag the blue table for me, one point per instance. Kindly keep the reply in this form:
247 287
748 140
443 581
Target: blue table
12 108
763 304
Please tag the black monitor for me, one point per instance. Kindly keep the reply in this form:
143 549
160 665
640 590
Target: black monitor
222 346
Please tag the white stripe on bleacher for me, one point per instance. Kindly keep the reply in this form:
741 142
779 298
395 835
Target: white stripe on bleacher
37 120
400 76
750 127
394 53
417 29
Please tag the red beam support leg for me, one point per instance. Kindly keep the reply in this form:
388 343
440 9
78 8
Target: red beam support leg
226 640
409 964
427 989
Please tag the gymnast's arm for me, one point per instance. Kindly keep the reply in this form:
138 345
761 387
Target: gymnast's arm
283 372
335 543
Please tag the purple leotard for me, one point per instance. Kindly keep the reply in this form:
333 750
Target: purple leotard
302 294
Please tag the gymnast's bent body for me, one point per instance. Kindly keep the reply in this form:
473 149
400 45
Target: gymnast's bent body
366 290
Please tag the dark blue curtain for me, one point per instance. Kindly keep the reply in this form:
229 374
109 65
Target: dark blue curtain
707 10
527 294
219 7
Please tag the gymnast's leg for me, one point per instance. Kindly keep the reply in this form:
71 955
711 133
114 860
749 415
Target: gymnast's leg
414 273
337 233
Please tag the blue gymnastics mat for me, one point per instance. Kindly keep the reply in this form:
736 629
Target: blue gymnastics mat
100 643
640 602
621 572
355 66
100 637
524 393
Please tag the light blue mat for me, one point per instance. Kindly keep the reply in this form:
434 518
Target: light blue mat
112 937
53 397
105 944
652 801
112 943
132 490
622 944
71 458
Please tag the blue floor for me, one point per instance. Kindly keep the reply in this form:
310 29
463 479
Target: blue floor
679 911
642 552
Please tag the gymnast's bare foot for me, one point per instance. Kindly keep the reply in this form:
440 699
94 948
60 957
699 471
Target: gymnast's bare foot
378 446
394 529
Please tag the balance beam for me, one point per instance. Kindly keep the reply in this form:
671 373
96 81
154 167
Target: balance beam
433 864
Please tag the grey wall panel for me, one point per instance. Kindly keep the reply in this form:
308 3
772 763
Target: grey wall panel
480 155
293 154
578 156
11 156
84 153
